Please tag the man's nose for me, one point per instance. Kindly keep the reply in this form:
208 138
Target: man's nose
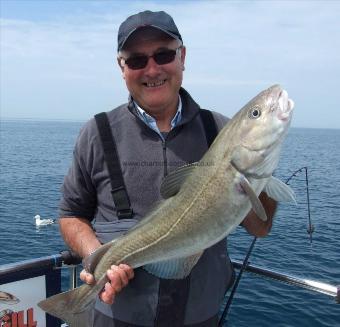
152 67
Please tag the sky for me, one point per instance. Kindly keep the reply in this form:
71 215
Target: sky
58 58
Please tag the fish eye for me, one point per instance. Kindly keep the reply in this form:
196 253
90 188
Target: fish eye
254 113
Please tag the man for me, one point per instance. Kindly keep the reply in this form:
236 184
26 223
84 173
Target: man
158 130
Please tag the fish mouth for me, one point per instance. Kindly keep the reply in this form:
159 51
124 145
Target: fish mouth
285 105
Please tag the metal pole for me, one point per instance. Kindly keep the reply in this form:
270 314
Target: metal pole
73 277
312 285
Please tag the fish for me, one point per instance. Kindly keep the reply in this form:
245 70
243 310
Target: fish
202 203
8 298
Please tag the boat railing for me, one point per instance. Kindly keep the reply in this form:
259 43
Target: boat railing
24 284
309 284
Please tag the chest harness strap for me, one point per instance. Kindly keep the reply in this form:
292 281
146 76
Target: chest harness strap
173 294
209 125
118 189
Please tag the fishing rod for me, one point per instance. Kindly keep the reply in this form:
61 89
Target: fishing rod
310 228
244 265
237 281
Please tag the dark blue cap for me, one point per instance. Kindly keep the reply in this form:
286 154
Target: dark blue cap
159 19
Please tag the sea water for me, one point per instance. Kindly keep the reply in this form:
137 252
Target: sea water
35 156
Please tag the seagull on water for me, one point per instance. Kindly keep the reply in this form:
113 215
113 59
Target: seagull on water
40 222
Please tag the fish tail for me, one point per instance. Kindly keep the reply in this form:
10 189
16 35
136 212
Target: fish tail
73 307
82 319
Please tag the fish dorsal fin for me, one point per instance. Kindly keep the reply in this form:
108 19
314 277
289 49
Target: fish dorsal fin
279 191
177 268
91 261
173 181
255 202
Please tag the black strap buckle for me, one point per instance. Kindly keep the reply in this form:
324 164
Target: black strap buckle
122 203
125 214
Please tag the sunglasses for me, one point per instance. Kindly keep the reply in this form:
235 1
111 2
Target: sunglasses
161 57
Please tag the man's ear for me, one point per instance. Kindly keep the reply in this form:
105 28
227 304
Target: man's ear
120 66
119 63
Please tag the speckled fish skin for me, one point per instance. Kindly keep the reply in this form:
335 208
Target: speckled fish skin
209 205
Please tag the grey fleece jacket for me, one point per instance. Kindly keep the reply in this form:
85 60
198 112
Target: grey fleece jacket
145 159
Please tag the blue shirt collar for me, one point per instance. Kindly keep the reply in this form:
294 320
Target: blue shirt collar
151 122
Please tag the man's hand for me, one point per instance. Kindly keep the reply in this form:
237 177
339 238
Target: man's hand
253 224
119 277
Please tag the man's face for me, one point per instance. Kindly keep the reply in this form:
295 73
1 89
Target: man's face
155 87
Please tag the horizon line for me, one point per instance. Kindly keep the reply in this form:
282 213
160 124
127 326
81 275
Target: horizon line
74 120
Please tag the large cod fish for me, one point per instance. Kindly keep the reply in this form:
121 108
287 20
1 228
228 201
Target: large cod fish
203 202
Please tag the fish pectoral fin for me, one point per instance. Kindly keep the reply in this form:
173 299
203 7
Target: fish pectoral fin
177 268
256 203
279 191
91 261
173 181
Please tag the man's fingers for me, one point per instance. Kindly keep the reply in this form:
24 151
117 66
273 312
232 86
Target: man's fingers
119 277
108 294
128 270
112 287
86 277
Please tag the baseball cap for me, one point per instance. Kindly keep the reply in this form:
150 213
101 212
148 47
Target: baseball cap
157 19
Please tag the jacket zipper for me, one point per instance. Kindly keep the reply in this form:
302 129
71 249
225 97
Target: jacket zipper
165 160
